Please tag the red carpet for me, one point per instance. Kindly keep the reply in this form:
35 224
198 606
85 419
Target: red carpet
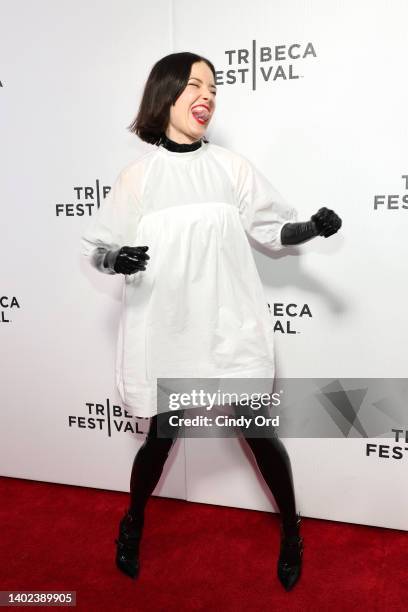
193 556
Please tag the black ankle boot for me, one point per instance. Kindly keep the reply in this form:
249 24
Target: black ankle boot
290 558
128 541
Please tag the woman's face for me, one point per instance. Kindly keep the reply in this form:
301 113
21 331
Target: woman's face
187 125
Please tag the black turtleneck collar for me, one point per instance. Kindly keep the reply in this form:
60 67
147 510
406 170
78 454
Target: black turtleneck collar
177 147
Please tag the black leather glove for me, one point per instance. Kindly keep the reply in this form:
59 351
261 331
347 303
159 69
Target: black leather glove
127 260
294 233
326 221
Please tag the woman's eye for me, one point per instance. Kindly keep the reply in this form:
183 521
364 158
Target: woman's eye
196 85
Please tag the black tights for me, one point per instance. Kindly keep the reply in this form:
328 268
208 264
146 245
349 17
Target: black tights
270 454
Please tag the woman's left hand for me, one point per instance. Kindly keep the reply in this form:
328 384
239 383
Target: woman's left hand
326 221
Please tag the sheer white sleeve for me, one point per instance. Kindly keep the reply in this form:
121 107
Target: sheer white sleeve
114 225
262 209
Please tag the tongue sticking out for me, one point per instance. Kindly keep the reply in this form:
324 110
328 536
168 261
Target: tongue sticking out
201 113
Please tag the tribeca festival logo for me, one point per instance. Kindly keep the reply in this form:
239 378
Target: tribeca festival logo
87 200
388 451
108 418
392 201
281 311
7 303
269 64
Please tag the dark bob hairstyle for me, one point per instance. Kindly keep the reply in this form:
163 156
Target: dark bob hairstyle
167 79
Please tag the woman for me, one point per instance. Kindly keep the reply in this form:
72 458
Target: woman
194 306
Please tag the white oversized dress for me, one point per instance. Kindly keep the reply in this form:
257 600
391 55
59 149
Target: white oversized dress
199 309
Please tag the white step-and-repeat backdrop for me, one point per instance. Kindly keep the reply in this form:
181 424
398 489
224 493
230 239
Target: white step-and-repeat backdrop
314 94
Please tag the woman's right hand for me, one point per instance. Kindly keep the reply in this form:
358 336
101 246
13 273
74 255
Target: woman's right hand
130 260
